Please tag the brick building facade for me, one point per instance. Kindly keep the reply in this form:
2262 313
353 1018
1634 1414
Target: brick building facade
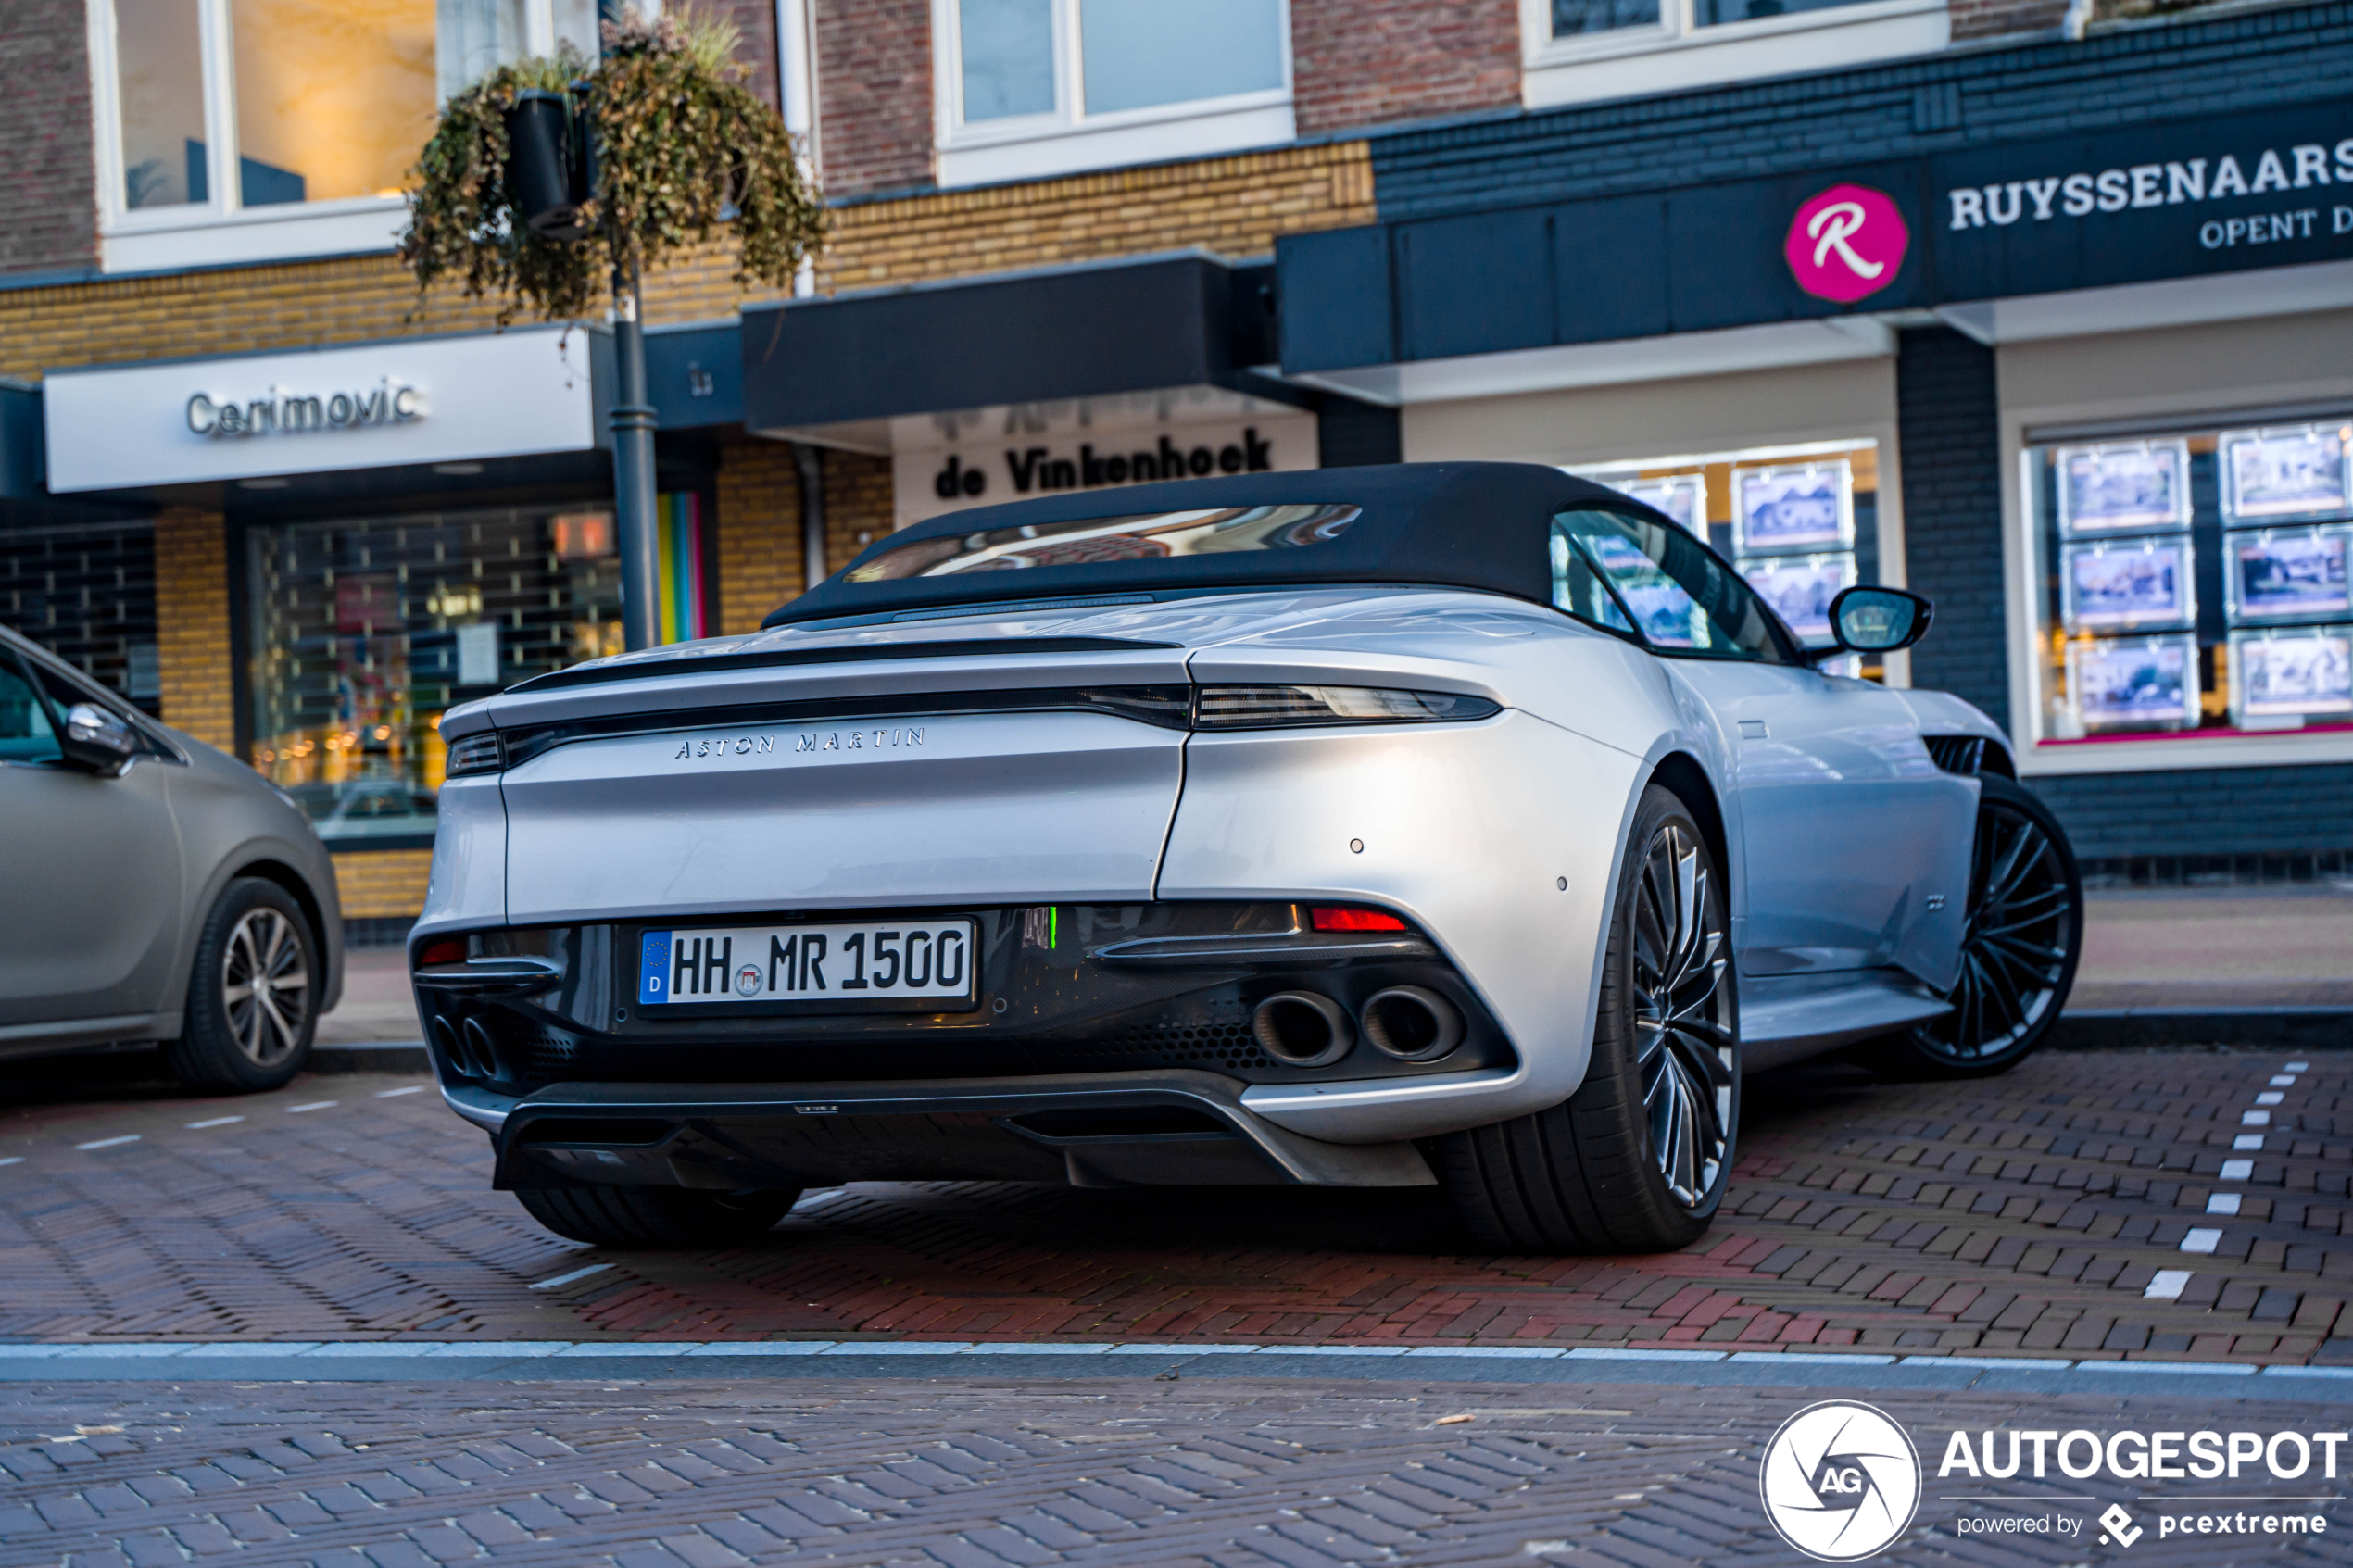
1394 119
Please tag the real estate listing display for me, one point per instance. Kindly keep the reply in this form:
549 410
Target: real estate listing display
2288 575
2273 474
2292 674
1683 498
2146 583
1800 588
1789 511
2125 487
2122 531
2134 683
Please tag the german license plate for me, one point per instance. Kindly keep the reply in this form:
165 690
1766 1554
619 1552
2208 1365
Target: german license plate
888 960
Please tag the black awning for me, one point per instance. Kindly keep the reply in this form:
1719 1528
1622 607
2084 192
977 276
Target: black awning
1090 331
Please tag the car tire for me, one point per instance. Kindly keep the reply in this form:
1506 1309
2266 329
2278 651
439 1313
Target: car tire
253 996
2024 937
650 1218
1637 1157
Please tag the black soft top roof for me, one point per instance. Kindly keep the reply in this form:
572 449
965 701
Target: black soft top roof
1467 525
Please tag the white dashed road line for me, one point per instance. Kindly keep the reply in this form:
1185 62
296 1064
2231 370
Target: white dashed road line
394 1093
212 1121
314 1105
567 1279
108 1143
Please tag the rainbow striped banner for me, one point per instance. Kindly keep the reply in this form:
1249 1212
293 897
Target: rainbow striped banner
678 530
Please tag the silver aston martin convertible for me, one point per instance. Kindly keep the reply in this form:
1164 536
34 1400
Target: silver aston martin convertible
1463 824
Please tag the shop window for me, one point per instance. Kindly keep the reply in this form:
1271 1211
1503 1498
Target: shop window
1799 523
362 632
2190 586
1575 50
1031 87
254 128
87 594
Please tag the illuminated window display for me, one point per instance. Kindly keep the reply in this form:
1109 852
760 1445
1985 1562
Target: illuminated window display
1799 523
2192 584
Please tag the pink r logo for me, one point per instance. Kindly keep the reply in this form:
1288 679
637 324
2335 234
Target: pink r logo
1847 243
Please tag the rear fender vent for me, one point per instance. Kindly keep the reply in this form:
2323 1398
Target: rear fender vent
1957 754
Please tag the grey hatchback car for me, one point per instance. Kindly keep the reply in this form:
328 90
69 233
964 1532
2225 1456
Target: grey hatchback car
152 889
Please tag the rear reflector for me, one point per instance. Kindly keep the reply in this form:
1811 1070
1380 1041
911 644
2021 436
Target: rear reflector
1355 920
450 949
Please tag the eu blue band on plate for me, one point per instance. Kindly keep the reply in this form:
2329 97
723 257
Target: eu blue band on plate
654 969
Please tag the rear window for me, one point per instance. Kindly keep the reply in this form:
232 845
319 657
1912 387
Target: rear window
1137 536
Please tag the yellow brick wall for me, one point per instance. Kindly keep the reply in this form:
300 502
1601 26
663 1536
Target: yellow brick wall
759 542
1234 205
192 618
292 304
857 504
382 884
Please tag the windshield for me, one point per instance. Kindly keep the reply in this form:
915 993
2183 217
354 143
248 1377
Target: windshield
1139 536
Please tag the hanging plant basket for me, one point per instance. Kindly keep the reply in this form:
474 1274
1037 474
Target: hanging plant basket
549 178
547 174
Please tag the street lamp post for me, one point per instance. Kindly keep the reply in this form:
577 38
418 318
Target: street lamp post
633 471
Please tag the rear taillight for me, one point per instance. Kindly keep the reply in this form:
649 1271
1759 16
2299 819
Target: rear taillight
475 754
1342 919
1251 708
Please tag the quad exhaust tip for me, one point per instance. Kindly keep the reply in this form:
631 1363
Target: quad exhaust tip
468 1049
1412 1024
1303 1028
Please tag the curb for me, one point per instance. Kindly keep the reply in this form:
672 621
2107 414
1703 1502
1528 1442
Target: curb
2280 1028
869 1362
370 1056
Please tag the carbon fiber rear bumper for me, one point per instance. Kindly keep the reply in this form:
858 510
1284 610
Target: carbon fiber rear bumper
1168 1128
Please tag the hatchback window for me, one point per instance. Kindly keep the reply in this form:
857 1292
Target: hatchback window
1681 596
25 733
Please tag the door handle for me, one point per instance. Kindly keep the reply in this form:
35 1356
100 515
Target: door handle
1753 729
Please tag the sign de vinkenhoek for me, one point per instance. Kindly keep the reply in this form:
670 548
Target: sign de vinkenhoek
935 480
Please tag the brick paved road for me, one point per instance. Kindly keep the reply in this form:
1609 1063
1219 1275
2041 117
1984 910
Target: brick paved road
2033 1213
975 1475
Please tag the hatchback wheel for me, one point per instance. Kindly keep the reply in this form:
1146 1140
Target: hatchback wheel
253 999
1638 1158
2019 954
651 1218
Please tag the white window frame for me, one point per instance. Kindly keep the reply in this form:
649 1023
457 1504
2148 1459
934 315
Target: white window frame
1068 140
222 231
1678 53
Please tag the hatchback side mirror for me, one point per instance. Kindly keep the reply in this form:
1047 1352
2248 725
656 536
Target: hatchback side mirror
1876 620
97 739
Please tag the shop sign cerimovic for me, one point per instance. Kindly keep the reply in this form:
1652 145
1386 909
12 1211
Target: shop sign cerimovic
1841 1481
379 404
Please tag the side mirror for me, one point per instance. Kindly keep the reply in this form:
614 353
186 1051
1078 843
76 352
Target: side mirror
1876 620
97 739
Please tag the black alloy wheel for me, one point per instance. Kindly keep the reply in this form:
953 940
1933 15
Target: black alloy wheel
1638 1158
1684 1045
2024 936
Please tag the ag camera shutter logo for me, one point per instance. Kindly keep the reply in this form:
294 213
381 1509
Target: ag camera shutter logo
1841 1481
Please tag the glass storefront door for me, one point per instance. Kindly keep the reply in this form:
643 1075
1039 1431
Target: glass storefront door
363 631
